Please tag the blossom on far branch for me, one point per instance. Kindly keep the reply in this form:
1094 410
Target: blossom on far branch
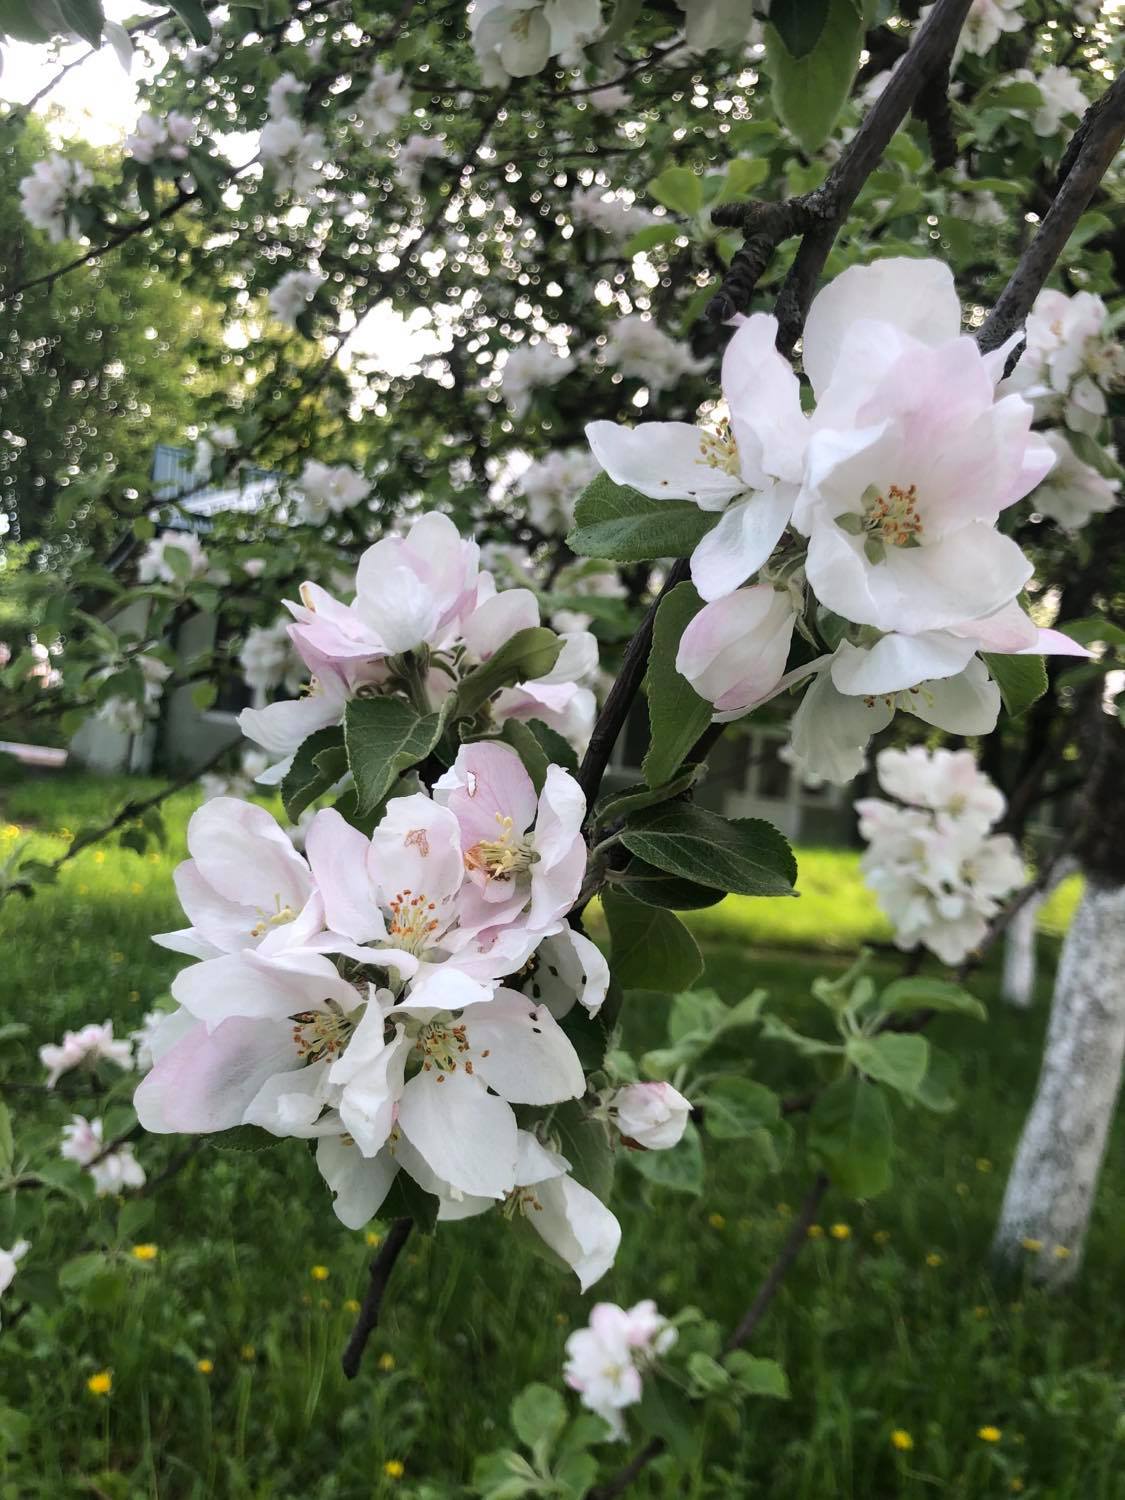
112 1171
641 350
529 368
652 1116
938 872
606 1363
293 295
9 1263
85 1049
382 104
1072 361
48 196
516 38
329 490
1074 491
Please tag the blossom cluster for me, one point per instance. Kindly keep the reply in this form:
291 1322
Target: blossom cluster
48 194
424 595
939 872
291 150
868 524
606 1362
609 213
155 140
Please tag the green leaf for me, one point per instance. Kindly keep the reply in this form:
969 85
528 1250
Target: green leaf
203 695
614 521
77 1274
733 1108
809 91
632 799
504 1475
383 738
745 855
775 1030
1090 451
7 1141
305 780
1092 629
644 882
194 17
758 1377
528 654
680 1170
707 1375
529 750
743 175
86 17
677 714
652 949
898 1059
650 236
850 1131
585 1144
1021 679
558 751
665 1412
538 1417
679 189
799 23
923 993
939 1089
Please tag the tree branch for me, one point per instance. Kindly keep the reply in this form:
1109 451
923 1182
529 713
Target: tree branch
367 1319
1099 137
819 214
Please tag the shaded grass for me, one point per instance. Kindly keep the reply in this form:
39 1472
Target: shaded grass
874 1336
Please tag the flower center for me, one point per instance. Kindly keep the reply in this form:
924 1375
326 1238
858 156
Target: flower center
501 858
442 1046
718 449
889 520
277 918
413 923
321 1034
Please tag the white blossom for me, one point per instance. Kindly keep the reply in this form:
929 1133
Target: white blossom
47 195
292 294
607 1361
1062 97
9 1263
1071 361
515 38
529 368
1074 491
294 154
84 1048
642 351
112 1171
610 214
382 104
329 490
414 153
650 1115
551 485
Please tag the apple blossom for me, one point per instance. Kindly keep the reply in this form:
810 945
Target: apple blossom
551 485
1071 360
1062 97
616 217
48 192
515 38
531 367
1074 491
281 91
267 660
719 23
294 155
735 649
9 1263
329 489
641 350
155 567
414 153
292 295
84 1048
653 1116
941 780
566 969
986 22
606 1362
382 104
154 139
113 1171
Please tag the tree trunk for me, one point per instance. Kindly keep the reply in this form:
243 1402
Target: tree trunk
1020 964
1051 1189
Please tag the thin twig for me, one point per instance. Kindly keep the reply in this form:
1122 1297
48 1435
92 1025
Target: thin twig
1101 134
367 1319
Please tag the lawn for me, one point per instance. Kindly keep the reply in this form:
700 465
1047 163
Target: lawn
223 1350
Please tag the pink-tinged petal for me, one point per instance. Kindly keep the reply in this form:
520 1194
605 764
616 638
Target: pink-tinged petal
577 1226
359 1185
1053 643
207 1079
465 1135
223 924
337 855
493 623
663 460
735 649
240 851
742 541
293 1104
555 887
562 807
530 1059
245 984
899 661
1007 630
492 786
417 848
917 297
764 399
371 1092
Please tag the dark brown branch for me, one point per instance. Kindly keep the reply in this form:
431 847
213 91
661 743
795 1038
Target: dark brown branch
819 214
1100 136
798 1234
625 687
932 107
367 1319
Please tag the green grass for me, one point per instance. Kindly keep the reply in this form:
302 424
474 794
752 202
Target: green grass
873 1336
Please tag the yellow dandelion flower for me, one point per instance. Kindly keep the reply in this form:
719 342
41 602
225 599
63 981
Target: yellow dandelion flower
117 958
248 1353
901 1440
205 1366
83 890
716 1221
1032 1245
815 1232
881 1236
12 831
1016 1485
134 996
989 1434
135 887
386 1362
100 1384
841 1231
99 856
983 1164
1061 1252
561 1319
980 1313
373 1238
394 1468
962 1190
154 859
320 1273
934 1259
144 1252
351 1305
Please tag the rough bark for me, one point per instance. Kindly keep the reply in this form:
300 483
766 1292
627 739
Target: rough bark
1054 1178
